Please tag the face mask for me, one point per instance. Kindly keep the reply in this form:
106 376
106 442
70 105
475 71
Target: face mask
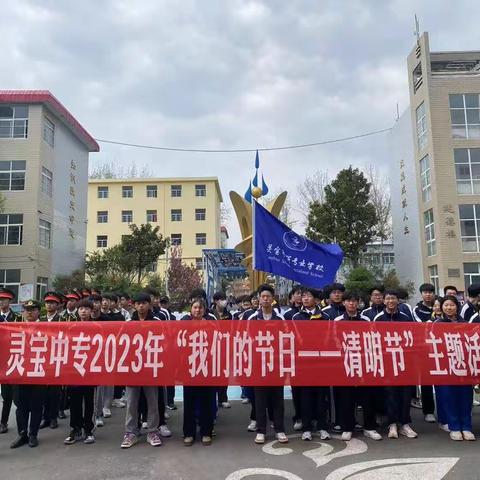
223 303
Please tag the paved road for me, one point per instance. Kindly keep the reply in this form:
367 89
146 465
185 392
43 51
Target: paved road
234 456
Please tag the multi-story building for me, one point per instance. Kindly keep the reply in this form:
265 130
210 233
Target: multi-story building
43 177
187 210
445 115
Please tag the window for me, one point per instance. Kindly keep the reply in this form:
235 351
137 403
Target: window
12 175
200 190
102 241
200 213
45 233
430 232
176 190
102 192
152 216
102 216
152 268
465 115
11 229
422 128
48 131
125 237
176 215
199 263
201 238
42 287
47 181
151 191
471 273
176 239
10 279
425 178
13 121
127 216
433 274
127 191
467 170
470 227
388 258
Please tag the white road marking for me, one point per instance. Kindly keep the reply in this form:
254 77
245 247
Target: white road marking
248 472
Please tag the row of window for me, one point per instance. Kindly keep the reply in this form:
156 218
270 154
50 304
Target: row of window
10 278
379 258
175 239
12 177
11 230
471 274
152 191
152 215
14 124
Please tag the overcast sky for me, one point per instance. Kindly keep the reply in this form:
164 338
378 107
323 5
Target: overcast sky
229 74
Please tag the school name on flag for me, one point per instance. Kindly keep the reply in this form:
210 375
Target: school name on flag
239 353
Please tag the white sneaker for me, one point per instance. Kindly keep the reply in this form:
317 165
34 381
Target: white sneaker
226 405
476 403
260 438
430 418
324 435
281 437
444 427
107 412
144 425
118 403
373 434
99 422
307 436
165 431
346 436
392 431
457 436
298 425
245 401
252 426
469 436
407 431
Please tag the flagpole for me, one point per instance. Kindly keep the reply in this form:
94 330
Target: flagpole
254 201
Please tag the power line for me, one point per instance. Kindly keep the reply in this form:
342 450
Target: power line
243 150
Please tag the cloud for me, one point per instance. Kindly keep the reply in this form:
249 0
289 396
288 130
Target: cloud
228 75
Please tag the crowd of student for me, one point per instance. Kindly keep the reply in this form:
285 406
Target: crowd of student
318 410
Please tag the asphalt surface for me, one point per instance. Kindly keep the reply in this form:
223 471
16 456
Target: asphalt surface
234 456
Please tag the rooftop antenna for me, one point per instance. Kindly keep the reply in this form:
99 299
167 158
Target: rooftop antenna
417 29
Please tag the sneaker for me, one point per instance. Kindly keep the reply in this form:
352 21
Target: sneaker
118 403
430 418
346 436
245 401
407 431
252 426
475 403
457 436
32 441
89 438
153 438
226 405
392 431
171 406
373 434
107 413
129 440
298 425
99 422
324 435
469 436
165 431
260 438
281 437
337 428
307 436
73 436
358 427
54 424
144 425
188 441
19 442
416 403
61 415
206 440
3 428
444 427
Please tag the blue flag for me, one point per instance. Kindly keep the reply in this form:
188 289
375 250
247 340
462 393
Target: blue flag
281 251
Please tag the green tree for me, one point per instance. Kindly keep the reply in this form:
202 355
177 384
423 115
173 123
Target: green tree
391 281
360 280
347 216
64 283
143 247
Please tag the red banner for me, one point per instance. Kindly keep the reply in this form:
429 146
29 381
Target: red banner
239 353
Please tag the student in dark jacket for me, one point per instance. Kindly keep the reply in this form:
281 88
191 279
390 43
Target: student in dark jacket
470 307
350 396
454 402
334 294
294 302
397 399
376 302
423 312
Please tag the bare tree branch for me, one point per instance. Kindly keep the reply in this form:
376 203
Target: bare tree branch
311 190
112 170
